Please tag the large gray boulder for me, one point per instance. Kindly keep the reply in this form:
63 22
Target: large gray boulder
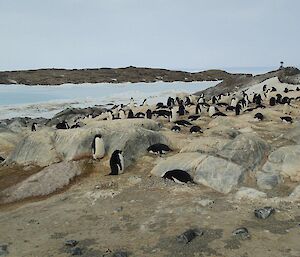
285 162
182 161
219 174
209 145
247 150
267 181
35 149
8 140
295 195
216 173
49 146
293 134
45 182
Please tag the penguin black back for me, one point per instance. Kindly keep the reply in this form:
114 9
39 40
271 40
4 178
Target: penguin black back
116 162
179 176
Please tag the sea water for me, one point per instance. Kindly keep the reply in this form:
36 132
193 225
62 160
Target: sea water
45 101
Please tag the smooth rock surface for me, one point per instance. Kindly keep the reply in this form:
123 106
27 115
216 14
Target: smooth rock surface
284 161
246 193
219 174
205 145
247 150
44 182
182 161
49 146
267 181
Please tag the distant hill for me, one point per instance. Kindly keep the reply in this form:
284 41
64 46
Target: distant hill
289 75
229 81
110 75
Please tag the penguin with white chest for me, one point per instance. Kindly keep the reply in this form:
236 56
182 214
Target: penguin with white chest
116 163
34 127
98 147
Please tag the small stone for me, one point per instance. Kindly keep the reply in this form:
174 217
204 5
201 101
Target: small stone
206 202
120 254
189 235
3 250
71 242
75 251
264 213
242 233
119 209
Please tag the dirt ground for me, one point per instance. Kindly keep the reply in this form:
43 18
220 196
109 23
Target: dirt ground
143 216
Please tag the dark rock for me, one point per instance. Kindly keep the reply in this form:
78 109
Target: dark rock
71 242
120 254
75 251
189 235
242 233
3 250
264 212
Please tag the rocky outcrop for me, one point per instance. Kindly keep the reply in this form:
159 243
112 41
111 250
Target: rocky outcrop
295 195
109 75
219 174
290 75
243 81
8 140
45 182
293 134
246 193
247 150
216 173
267 181
183 161
282 163
209 145
48 145
285 162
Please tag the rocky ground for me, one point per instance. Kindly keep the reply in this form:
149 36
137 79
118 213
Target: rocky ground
109 75
52 191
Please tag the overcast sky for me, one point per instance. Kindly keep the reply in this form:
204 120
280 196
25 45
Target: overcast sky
175 34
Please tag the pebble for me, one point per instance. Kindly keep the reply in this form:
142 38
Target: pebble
3 250
71 242
189 235
242 233
75 251
206 202
120 254
119 209
264 212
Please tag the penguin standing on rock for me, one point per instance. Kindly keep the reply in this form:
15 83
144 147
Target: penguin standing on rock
148 114
272 101
98 147
238 108
181 110
62 125
130 114
34 127
116 163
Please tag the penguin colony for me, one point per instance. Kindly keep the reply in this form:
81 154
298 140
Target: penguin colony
194 107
